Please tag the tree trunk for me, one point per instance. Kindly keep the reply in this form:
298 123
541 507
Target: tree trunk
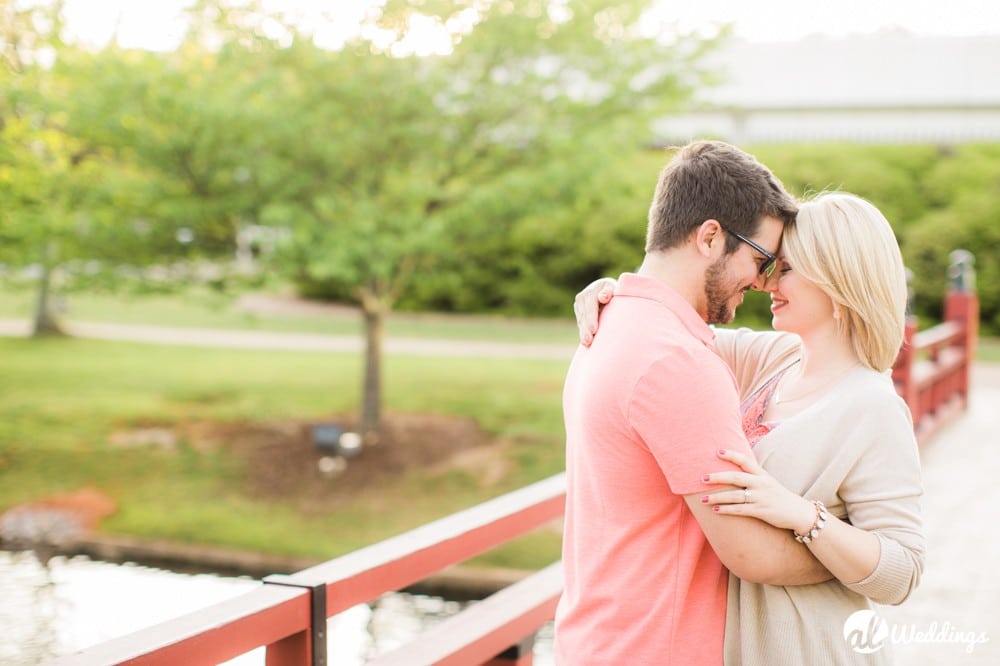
371 403
45 320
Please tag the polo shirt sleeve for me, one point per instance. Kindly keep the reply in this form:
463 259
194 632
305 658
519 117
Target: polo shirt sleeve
684 408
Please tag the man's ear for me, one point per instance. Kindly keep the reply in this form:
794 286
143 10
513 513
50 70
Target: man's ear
709 238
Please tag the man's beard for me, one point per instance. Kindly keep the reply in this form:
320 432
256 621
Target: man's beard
717 294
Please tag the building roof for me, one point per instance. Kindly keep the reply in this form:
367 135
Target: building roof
887 87
883 70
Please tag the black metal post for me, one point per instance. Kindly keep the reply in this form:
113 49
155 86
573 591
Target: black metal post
317 615
519 653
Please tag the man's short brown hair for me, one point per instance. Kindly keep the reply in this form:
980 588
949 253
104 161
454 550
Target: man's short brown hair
713 180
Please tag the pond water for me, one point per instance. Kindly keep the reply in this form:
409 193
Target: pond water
52 609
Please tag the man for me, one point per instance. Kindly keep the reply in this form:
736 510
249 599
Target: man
647 406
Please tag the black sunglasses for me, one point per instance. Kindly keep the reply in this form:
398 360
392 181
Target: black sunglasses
767 268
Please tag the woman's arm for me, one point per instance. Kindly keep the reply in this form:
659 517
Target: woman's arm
587 306
880 552
882 495
849 553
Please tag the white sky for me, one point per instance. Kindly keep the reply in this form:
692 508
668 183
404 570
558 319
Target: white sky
157 25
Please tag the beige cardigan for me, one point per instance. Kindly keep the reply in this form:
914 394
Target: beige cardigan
854 449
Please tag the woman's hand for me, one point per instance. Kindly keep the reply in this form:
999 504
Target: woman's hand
587 306
758 495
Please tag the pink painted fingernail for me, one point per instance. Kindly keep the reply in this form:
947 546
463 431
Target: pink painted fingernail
704 499
706 478
715 508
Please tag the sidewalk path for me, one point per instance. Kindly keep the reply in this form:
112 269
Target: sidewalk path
237 339
959 595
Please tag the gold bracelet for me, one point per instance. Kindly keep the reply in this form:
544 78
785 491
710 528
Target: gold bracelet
817 526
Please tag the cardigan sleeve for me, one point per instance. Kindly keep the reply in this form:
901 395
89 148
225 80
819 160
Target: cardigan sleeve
754 356
881 494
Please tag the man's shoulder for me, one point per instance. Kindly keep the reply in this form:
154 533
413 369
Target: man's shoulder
656 334
638 316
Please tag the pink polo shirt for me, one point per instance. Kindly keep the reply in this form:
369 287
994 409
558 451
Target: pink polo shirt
646 408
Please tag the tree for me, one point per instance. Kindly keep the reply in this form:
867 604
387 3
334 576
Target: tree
178 120
376 162
46 173
372 152
117 165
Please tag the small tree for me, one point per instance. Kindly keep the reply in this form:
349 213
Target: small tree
369 148
46 173
118 164
371 156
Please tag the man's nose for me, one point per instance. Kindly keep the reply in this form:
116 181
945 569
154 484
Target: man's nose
768 283
759 282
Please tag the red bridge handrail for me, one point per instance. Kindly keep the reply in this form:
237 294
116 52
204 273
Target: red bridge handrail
934 366
279 616
486 628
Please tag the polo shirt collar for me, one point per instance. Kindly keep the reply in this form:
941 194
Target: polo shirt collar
640 286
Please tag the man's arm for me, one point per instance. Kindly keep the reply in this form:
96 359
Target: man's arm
754 550
685 408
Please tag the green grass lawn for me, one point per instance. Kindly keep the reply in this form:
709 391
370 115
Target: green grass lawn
62 399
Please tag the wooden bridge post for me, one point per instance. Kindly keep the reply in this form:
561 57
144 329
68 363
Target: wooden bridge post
961 306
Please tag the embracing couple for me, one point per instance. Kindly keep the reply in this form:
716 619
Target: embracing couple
733 496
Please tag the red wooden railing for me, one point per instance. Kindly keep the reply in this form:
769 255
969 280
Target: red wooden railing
287 614
933 369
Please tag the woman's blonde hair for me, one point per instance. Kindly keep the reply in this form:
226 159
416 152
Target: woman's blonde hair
844 245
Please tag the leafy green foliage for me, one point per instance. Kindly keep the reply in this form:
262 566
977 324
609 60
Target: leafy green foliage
366 155
499 177
971 222
381 166
938 199
888 175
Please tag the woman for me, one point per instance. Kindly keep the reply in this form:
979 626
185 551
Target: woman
836 458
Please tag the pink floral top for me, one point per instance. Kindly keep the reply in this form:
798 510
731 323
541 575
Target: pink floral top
753 408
